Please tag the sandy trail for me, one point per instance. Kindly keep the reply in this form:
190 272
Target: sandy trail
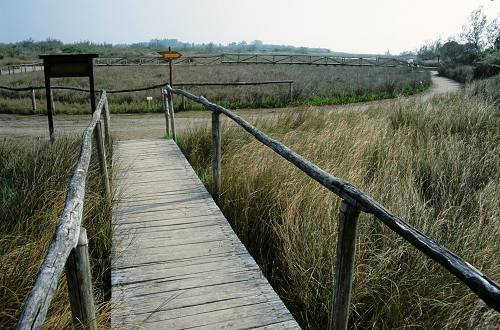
144 126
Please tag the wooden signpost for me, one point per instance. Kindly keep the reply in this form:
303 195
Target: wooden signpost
170 55
67 65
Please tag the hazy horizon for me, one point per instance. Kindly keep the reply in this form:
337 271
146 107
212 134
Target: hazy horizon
354 27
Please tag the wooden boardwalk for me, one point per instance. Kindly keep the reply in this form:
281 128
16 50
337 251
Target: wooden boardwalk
176 262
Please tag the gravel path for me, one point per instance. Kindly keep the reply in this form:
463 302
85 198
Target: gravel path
140 126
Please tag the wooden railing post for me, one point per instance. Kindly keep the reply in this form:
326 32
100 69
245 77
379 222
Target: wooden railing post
33 100
166 111
216 154
101 152
183 100
171 113
79 279
107 124
346 249
290 91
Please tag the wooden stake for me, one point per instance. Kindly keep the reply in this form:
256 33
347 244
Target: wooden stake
107 124
33 101
172 116
216 155
167 114
79 280
183 100
346 250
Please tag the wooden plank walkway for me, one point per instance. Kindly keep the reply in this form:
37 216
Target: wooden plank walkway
176 262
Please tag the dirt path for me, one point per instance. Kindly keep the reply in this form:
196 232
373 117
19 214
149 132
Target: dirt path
138 126
441 85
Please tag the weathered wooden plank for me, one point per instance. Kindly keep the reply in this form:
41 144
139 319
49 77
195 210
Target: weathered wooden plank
176 262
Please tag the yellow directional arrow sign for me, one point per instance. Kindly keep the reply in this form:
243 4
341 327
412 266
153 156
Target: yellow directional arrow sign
170 55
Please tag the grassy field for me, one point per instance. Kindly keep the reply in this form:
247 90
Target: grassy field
435 163
33 182
314 85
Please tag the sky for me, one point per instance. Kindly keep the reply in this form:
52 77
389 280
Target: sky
358 26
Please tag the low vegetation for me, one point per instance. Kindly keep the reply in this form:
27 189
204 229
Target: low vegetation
433 162
33 182
314 85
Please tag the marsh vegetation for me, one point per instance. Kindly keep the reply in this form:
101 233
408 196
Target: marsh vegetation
433 162
313 85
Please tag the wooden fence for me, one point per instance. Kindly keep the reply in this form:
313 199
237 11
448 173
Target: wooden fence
261 58
228 58
69 247
32 89
353 202
21 68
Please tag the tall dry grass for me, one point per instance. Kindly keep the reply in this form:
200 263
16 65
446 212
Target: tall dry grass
313 85
33 182
435 163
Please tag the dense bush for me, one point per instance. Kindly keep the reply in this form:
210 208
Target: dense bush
461 73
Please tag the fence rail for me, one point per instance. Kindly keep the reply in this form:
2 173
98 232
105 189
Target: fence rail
181 85
68 248
228 58
244 58
21 68
354 201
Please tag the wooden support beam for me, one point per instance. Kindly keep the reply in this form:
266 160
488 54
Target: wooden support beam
346 250
79 279
216 155
52 101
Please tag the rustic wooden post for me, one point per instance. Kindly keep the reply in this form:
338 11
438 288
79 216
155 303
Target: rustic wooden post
171 113
168 130
216 155
183 99
290 91
79 279
346 249
101 152
33 100
52 102
107 124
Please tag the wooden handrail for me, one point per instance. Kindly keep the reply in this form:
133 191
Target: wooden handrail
481 285
66 236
